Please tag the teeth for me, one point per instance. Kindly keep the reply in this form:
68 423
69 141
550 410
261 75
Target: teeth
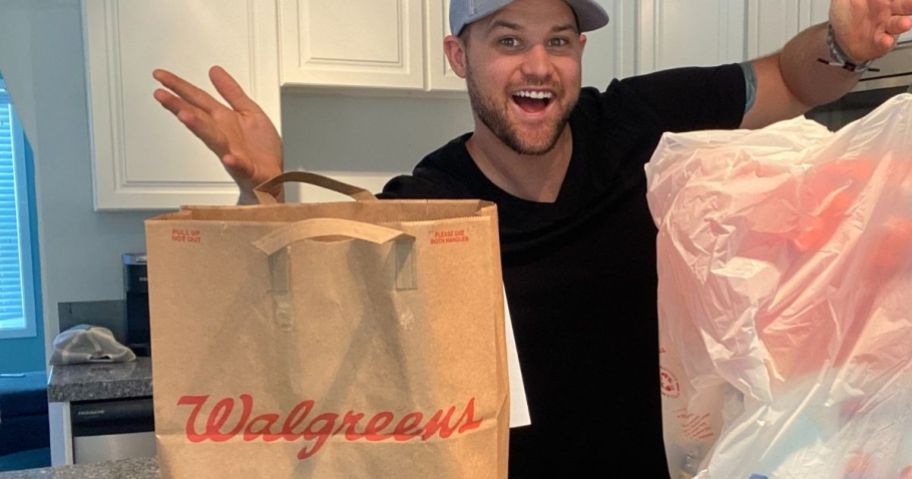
535 95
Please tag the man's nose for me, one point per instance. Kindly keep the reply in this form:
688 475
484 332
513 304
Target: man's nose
537 63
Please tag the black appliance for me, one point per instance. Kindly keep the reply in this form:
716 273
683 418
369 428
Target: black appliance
136 287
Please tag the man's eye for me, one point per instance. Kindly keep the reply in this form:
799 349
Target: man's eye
558 42
509 42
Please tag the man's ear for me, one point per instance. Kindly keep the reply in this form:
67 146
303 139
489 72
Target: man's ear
456 54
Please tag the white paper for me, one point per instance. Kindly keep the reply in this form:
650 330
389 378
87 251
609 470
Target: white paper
519 408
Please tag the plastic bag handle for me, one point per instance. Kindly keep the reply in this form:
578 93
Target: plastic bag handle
264 198
322 227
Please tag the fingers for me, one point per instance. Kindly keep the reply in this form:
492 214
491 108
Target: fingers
196 120
169 101
898 24
231 91
187 91
883 42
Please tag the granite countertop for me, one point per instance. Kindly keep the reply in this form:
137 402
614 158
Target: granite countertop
86 382
135 468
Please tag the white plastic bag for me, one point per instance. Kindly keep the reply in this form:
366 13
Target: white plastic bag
785 298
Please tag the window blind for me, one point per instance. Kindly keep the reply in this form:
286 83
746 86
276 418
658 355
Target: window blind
11 307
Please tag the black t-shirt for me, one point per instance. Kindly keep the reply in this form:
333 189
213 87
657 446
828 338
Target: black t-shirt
580 273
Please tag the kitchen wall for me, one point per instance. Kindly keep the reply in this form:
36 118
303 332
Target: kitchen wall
41 58
384 135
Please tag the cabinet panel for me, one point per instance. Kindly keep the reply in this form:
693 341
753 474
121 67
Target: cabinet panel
143 158
771 23
440 77
674 33
611 50
366 43
812 12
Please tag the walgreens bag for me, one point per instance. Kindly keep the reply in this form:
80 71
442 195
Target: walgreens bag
785 298
357 339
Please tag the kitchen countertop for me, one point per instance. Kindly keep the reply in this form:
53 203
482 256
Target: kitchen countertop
86 382
135 468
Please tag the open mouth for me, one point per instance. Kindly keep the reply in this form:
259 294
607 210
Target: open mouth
532 101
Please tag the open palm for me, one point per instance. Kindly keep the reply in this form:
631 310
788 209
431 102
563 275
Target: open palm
867 29
239 133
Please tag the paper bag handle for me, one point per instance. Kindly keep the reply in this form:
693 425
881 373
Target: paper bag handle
274 246
321 227
264 198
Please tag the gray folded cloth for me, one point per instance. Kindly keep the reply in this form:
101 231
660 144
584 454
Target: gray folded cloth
85 343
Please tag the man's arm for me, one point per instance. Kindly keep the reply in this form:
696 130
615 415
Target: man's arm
793 80
239 133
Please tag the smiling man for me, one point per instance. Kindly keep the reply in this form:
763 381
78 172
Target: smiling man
565 166
523 78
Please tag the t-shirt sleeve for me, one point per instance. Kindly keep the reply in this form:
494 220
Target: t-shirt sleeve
693 98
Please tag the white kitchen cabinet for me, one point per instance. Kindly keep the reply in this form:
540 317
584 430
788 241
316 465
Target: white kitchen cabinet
440 77
398 44
772 23
355 43
812 12
611 50
143 158
674 33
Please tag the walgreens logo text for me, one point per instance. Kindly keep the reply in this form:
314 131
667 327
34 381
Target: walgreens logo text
301 423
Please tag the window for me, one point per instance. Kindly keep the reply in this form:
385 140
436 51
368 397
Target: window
17 301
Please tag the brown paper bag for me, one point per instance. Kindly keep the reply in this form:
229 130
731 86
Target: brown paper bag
356 339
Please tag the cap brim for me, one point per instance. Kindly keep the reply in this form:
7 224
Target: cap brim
590 15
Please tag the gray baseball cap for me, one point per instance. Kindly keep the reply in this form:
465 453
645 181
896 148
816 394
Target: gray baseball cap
85 343
589 14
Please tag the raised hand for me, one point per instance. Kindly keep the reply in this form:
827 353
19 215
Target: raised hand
240 134
867 29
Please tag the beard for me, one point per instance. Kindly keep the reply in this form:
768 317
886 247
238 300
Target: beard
496 118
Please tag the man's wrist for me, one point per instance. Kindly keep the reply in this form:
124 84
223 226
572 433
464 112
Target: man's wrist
839 57
247 197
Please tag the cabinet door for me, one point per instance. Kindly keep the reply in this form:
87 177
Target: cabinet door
360 43
143 158
812 12
770 24
674 33
440 77
611 50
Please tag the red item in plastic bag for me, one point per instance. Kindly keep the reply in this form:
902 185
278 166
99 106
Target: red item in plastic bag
785 298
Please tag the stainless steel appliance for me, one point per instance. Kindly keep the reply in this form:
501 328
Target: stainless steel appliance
112 429
875 87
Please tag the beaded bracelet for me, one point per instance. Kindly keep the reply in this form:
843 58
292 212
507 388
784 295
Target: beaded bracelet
839 58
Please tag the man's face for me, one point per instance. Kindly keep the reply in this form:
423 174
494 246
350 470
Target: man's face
523 72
